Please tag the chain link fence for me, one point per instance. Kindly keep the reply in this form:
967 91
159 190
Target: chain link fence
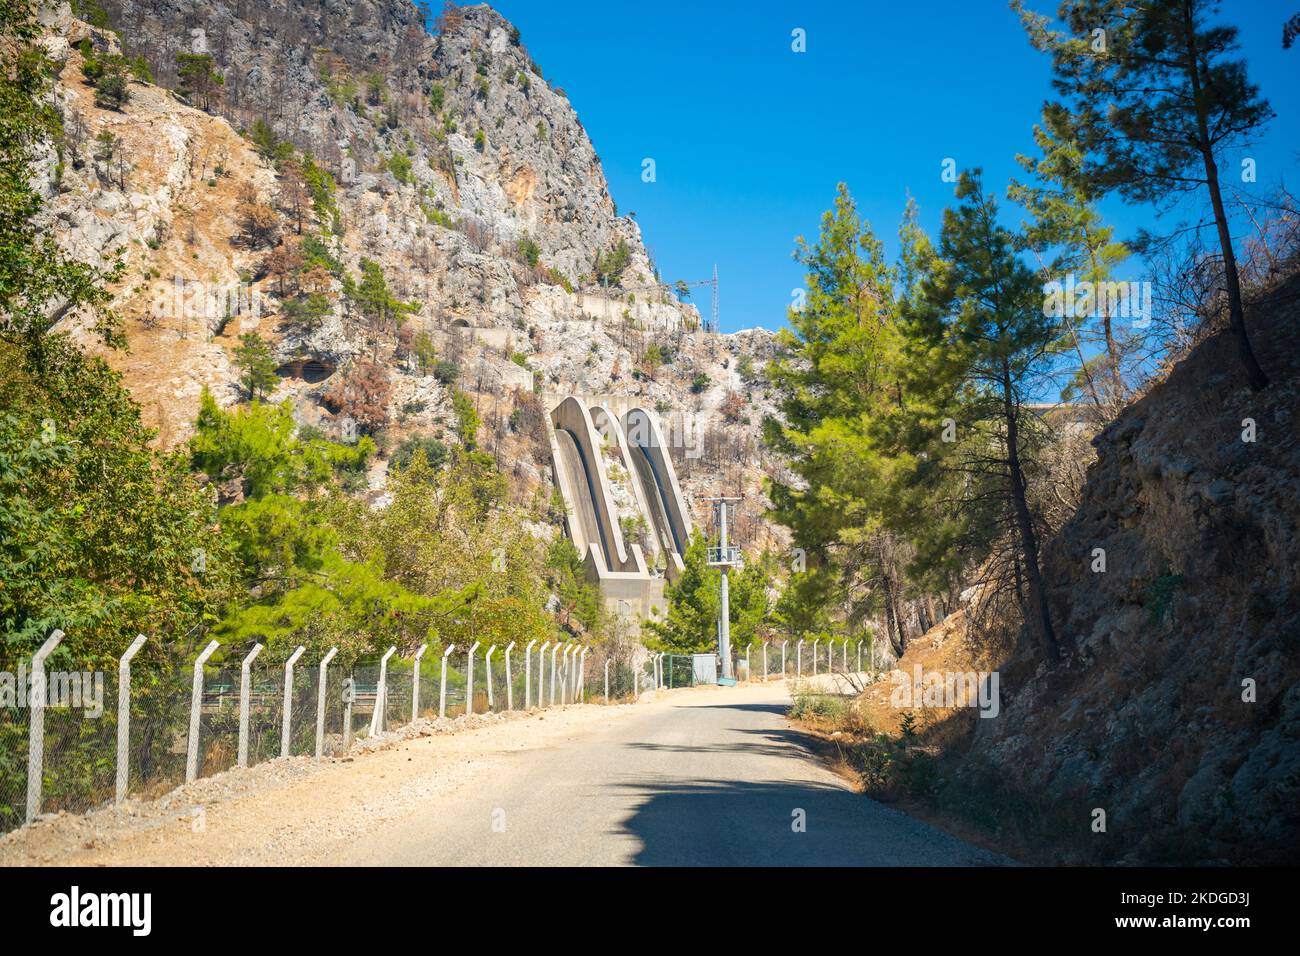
80 766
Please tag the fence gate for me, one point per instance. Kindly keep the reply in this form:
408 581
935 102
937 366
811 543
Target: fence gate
704 668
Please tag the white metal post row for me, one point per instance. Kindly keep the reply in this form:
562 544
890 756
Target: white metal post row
568 684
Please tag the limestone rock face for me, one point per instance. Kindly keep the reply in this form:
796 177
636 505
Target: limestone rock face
458 169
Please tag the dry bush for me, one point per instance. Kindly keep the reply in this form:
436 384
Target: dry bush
361 393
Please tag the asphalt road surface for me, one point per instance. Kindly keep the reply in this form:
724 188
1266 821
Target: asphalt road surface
712 777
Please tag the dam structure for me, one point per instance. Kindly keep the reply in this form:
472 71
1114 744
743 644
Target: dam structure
624 509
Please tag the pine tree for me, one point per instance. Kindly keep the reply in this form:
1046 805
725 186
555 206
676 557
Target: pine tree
257 365
1065 218
839 377
1156 97
983 307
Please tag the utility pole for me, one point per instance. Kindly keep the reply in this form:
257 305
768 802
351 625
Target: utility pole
716 327
724 557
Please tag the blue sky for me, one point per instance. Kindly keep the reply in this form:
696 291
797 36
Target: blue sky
750 139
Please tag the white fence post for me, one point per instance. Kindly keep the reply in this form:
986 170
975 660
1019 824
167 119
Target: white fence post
469 679
286 724
815 643
510 691
582 674
566 672
541 674
320 701
554 653
765 662
36 729
349 698
559 674
381 694
196 702
783 644
487 662
528 674
245 686
798 659
124 718
632 667
749 674
442 682
415 684
607 663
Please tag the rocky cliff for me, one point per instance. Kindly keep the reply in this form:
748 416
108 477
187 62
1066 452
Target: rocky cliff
1176 585
443 157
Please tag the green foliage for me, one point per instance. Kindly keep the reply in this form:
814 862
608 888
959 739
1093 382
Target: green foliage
373 299
434 452
100 535
852 379
323 189
439 217
556 277
39 283
256 443
399 164
308 311
257 365
110 73
580 599
269 146
316 251
424 350
342 90
1159 596
446 372
700 382
690 622
91 12
1156 109
1066 221
198 77
467 418
818 707
529 250
610 266
654 357
437 96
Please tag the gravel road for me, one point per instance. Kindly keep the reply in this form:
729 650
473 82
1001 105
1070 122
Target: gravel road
700 776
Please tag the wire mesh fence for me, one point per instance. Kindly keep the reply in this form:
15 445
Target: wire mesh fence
244 715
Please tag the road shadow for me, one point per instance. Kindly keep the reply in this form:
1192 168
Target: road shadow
778 708
776 823
770 742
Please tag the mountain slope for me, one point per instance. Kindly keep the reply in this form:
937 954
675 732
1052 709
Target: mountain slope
452 165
